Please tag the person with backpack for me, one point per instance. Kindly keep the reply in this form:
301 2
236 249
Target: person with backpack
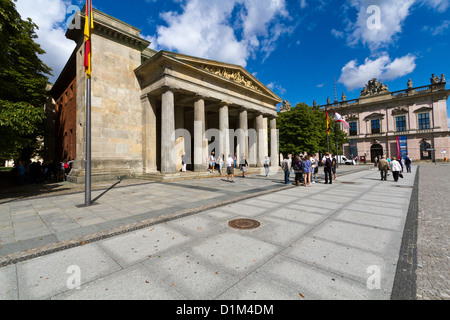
327 164
297 166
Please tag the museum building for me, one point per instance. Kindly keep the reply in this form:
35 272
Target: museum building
396 124
150 108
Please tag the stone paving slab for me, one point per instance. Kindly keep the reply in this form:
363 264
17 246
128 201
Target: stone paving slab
307 247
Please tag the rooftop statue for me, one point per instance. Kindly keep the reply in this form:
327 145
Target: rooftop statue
374 87
286 106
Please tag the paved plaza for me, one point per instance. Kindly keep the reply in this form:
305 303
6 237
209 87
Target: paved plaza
172 240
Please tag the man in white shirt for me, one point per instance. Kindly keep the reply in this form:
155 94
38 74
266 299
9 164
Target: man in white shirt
230 168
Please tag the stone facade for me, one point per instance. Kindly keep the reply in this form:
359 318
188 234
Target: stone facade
149 108
417 116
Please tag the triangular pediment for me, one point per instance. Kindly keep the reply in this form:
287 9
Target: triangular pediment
231 72
374 116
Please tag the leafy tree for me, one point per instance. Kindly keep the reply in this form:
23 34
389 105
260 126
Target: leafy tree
23 82
303 129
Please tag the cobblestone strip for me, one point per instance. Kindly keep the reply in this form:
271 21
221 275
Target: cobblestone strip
433 257
405 280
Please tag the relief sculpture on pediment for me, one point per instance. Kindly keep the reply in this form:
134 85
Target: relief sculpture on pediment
232 75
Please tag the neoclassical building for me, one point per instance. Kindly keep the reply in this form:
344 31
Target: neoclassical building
149 108
407 122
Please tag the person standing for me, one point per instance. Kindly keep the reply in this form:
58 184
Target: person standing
408 162
327 164
313 160
307 170
333 166
267 165
230 168
402 162
286 167
212 162
383 166
297 166
183 162
220 161
395 168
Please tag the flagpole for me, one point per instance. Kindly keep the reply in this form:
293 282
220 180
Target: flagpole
328 133
336 134
87 21
87 196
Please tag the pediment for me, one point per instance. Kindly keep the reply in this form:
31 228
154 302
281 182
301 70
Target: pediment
374 116
423 109
230 72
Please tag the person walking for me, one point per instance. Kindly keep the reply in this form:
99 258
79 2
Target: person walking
408 162
286 167
230 168
307 170
244 165
297 166
396 167
402 162
383 166
267 165
327 164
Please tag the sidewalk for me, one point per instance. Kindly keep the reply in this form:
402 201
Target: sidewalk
339 241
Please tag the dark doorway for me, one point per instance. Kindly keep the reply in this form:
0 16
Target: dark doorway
375 151
425 154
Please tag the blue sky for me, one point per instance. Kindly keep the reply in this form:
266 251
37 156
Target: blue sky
295 47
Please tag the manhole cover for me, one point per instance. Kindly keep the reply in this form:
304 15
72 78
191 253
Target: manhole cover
244 224
409 187
348 182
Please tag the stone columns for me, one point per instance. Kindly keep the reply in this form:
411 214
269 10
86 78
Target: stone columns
148 133
224 126
167 131
243 134
199 133
274 160
260 140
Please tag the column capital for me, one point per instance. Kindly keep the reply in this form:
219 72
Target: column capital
198 96
164 89
224 103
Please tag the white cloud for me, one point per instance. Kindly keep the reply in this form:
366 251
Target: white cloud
337 34
274 86
439 5
356 76
440 29
207 29
50 17
392 15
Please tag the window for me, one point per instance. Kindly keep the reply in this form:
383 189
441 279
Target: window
424 121
353 131
400 123
375 125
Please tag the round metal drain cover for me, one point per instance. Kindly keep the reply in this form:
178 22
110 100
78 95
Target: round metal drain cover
244 224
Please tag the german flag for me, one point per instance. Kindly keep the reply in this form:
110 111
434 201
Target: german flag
328 121
88 27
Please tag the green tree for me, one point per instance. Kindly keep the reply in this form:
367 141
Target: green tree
23 84
303 129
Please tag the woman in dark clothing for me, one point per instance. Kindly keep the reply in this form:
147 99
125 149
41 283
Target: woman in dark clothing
297 165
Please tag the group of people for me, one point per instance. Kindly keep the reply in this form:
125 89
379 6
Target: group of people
230 162
306 168
393 165
33 172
